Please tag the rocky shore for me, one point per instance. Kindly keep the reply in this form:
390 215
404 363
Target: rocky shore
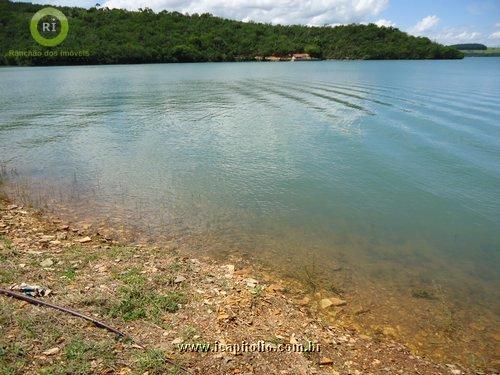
171 305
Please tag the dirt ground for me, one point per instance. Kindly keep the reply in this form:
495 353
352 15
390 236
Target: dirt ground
180 314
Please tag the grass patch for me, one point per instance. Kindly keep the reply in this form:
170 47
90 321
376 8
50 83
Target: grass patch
176 266
7 250
7 275
78 355
155 363
132 277
136 303
6 242
13 358
257 291
189 332
139 300
81 254
120 251
36 325
69 273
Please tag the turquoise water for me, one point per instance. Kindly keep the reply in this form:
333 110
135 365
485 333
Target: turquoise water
391 169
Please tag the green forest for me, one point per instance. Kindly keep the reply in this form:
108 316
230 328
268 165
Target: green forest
116 36
470 47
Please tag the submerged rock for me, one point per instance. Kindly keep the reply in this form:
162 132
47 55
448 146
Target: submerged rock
325 303
332 301
338 302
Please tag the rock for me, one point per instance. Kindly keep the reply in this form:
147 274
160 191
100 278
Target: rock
177 341
179 279
337 301
46 238
52 351
63 227
332 301
293 340
11 207
84 239
47 262
325 303
251 283
453 369
325 361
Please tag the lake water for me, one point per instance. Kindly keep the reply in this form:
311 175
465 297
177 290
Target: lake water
381 179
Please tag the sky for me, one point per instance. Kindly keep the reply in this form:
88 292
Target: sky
445 21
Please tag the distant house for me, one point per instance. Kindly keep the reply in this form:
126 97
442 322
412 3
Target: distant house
301 57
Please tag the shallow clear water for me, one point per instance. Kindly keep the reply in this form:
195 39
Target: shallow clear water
390 169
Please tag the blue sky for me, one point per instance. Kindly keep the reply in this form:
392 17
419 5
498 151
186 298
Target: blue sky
447 21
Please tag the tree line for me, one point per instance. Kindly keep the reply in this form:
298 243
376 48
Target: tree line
117 36
470 47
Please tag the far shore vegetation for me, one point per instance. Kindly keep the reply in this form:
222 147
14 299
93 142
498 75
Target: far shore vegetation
477 50
116 36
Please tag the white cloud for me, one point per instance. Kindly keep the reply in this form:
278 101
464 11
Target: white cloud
495 35
456 35
383 22
310 12
425 24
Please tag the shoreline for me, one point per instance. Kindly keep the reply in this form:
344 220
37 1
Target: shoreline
164 297
224 62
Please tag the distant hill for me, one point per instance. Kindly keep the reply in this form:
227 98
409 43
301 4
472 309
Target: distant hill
489 52
114 36
470 47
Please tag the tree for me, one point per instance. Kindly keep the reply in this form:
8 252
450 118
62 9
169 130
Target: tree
313 50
